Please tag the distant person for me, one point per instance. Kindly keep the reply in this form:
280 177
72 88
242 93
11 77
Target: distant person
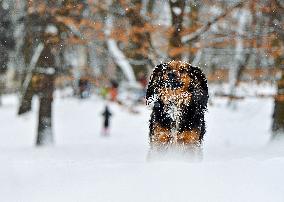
106 115
142 80
104 92
113 90
84 88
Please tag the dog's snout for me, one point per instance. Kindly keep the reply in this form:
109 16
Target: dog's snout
171 75
173 80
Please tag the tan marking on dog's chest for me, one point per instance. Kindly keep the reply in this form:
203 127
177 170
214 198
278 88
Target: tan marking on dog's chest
177 96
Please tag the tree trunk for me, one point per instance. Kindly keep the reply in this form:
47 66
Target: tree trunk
193 19
26 103
140 39
43 26
44 132
28 91
175 43
278 115
241 58
45 87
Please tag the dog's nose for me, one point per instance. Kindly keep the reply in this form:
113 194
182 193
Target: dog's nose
171 75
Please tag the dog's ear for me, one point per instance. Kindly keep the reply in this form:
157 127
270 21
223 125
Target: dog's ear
154 83
198 87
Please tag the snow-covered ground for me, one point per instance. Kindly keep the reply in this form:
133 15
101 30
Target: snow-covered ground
240 162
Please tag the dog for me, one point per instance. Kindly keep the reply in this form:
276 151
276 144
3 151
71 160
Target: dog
178 95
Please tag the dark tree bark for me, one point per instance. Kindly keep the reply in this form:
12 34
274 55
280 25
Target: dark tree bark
278 115
44 131
175 42
31 23
45 87
26 104
193 19
7 43
139 38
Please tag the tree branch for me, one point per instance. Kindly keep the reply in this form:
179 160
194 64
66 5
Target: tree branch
196 35
32 66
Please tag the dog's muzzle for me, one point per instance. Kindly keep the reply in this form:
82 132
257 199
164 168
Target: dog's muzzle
172 81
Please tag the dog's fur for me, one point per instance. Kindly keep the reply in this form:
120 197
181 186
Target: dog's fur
178 93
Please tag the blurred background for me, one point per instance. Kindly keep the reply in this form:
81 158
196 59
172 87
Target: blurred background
73 75
109 48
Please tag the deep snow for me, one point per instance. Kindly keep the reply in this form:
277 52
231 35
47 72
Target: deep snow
240 162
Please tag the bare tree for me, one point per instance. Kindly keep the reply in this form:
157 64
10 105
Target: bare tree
49 25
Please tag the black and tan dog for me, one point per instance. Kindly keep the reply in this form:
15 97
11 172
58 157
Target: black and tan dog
178 94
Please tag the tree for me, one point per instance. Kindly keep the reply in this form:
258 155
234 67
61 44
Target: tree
50 24
275 13
140 37
175 42
6 40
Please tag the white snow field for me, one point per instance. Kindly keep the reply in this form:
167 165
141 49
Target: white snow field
240 162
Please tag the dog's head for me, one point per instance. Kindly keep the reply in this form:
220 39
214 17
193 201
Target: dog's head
178 83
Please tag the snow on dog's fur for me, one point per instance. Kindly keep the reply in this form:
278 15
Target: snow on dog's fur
178 95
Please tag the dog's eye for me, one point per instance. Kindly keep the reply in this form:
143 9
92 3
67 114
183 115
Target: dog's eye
160 74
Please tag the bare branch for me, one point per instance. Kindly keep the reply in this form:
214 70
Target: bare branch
195 35
280 5
32 66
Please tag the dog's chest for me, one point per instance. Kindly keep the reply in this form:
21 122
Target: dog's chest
174 112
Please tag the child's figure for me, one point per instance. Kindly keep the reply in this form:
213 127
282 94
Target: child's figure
106 114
